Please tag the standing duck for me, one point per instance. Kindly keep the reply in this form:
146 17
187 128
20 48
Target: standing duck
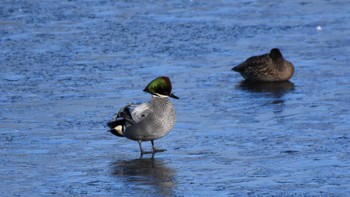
147 121
268 67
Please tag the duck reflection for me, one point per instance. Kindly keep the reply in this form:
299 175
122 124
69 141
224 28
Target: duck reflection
272 91
146 172
278 89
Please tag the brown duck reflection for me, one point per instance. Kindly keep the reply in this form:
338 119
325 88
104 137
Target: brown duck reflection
273 91
146 172
276 88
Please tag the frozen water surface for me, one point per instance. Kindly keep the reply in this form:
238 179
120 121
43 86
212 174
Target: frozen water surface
68 66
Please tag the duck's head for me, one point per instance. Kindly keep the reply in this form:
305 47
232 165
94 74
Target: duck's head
275 54
160 87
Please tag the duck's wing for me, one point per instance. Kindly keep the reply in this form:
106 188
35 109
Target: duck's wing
128 115
252 62
139 112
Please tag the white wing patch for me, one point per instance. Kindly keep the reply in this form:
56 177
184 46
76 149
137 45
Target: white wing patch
139 112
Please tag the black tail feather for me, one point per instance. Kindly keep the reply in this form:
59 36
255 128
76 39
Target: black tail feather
239 67
115 123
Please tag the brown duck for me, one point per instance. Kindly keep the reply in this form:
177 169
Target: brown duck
267 67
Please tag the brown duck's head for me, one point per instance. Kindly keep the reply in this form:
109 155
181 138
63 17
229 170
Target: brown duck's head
275 54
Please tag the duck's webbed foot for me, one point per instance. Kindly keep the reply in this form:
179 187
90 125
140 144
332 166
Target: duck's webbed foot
155 150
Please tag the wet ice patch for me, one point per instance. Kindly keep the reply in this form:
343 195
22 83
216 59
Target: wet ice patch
14 77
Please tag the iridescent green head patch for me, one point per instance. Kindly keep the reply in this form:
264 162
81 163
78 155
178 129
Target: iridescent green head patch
161 86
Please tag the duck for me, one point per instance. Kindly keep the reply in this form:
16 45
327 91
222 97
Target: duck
269 67
147 121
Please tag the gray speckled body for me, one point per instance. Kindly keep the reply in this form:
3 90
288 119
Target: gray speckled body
151 120
267 67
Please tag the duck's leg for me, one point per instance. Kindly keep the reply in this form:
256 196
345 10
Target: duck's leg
154 150
141 150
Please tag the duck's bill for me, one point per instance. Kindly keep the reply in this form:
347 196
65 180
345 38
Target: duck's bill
173 96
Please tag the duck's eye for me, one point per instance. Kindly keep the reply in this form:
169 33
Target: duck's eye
143 115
